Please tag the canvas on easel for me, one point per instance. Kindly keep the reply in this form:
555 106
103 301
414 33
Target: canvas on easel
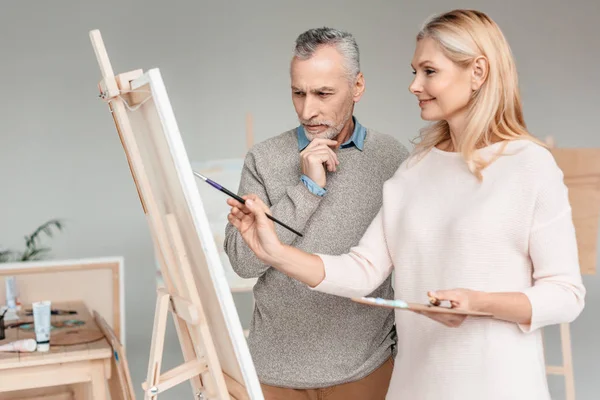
217 360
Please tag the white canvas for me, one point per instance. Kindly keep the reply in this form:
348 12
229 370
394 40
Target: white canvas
226 172
175 191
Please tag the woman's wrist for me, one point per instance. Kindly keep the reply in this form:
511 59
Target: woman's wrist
506 306
277 255
300 265
483 302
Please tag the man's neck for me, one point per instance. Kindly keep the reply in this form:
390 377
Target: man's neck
345 133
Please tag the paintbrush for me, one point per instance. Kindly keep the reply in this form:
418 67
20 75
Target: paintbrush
238 198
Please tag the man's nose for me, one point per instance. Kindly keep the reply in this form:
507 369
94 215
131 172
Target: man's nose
310 109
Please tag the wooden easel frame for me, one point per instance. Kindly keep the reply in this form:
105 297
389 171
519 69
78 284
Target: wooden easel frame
566 368
180 295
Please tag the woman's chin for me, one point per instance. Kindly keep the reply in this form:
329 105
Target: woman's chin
425 116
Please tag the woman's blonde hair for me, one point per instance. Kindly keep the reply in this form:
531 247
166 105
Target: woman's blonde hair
494 111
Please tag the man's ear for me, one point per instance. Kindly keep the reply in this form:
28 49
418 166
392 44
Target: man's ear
358 88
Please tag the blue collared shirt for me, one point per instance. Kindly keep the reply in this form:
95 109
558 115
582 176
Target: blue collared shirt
357 139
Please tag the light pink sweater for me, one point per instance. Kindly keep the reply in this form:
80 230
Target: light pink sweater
439 228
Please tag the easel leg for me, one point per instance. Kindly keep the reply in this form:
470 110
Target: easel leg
213 381
565 339
174 284
187 348
158 342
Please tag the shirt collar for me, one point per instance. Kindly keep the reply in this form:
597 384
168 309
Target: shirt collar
357 139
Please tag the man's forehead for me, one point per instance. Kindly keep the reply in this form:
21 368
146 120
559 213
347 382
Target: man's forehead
316 85
325 68
314 79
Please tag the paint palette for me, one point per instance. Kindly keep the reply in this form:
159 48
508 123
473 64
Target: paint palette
403 305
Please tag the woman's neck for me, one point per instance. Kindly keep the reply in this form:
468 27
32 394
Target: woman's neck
456 126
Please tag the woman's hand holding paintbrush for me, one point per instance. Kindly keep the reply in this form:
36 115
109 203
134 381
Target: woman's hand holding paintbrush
259 234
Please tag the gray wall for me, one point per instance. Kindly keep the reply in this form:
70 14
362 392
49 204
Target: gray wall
61 157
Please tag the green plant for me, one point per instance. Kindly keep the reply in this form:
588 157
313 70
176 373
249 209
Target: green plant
32 242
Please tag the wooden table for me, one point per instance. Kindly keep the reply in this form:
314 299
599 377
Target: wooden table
82 368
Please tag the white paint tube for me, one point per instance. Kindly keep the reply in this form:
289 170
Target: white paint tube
24 345
11 292
41 323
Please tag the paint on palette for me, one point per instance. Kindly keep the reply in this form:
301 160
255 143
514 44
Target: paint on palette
386 302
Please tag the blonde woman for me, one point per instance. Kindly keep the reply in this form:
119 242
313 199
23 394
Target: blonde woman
479 216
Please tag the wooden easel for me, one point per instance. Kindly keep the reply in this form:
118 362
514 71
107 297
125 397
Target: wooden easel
119 385
581 169
180 296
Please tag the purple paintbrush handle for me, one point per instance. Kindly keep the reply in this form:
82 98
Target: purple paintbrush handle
214 184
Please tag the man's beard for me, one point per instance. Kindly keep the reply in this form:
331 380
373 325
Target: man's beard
332 130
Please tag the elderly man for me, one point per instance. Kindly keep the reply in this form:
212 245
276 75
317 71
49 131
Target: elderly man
324 178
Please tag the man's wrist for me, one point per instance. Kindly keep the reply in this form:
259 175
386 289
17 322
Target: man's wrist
312 186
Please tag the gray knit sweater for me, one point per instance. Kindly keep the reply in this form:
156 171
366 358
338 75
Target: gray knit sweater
301 338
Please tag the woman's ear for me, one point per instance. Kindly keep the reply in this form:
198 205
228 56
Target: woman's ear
480 72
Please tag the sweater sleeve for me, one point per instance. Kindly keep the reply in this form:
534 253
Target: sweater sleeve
557 294
363 269
295 209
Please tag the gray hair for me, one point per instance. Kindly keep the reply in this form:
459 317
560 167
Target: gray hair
308 42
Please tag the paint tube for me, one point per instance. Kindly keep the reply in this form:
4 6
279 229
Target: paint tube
41 323
24 345
11 292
